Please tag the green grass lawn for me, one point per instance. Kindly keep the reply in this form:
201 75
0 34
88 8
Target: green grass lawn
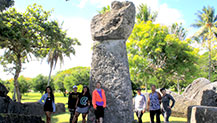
64 118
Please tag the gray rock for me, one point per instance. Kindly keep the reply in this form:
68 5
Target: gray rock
35 108
203 91
116 24
3 90
202 114
200 92
181 105
4 102
19 118
110 63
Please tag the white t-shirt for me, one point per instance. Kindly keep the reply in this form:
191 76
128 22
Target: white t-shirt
140 102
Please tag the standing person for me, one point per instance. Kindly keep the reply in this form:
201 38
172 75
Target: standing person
49 103
154 104
140 105
72 103
166 108
99 102
82 104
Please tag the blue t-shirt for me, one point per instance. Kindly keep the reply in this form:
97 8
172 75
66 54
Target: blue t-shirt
154 101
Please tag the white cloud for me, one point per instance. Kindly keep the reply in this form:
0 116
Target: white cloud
167 15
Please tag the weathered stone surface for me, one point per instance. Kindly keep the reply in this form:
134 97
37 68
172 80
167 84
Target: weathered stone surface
17 118
181 105
202 114
32 108
35 108
200 92
203 91
110 67
3 90
116 24
15 112
109 61
4 102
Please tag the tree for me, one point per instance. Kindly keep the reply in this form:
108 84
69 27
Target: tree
24 84
5 4
178 30
78 75
39 83
155 54
29 34
65 80
207 24
145 14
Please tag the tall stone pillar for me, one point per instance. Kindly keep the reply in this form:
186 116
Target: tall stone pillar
110 63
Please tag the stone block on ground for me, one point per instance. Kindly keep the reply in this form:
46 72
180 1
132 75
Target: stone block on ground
202 114
19 118
3 90
35 108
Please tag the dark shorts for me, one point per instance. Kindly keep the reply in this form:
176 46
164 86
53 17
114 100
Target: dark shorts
48 108
99 112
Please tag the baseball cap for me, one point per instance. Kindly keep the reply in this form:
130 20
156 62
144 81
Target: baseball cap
75 86
138 89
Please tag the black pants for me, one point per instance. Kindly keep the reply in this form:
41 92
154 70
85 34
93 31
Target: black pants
99 112
153 113
72 114
166 115
139 115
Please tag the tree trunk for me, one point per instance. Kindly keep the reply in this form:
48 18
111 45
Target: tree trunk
178 88
210 53
48 83
17 73
146 86
210 62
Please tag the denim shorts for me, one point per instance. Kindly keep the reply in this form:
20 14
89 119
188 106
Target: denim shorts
83 110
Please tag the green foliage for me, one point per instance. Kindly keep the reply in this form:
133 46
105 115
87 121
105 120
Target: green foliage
207 31
5 4
155 56
32 33
65 80
24 85
145 14
7 84
105 9
178 30
39 83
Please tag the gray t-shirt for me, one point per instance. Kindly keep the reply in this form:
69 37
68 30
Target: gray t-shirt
166 102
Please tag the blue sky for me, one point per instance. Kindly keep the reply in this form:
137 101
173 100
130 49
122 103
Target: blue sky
77 14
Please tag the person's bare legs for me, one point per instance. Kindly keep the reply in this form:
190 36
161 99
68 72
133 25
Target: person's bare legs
75 117
97 120
48 116
100 120
84 118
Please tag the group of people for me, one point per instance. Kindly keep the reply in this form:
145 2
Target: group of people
156 105
80 103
